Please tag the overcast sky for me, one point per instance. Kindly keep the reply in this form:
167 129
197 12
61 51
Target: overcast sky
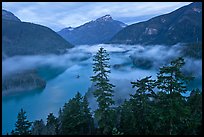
58 15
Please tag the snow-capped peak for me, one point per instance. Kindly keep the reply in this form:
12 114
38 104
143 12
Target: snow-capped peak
69 28
104 18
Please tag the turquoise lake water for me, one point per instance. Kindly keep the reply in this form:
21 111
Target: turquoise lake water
39 103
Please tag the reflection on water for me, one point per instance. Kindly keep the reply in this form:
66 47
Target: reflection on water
18 97
39 103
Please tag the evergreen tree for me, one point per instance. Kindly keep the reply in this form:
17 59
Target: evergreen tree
195 116
103 91
72 116
140 104
88 120
149 111
127 125
38 128
116 132
22 126
136 113
171 104
51 125
171 79
59 123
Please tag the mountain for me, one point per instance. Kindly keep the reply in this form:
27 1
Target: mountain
6 15
183 25
24 38
94 32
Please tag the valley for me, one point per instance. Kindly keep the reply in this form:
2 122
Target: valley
65 72
64 85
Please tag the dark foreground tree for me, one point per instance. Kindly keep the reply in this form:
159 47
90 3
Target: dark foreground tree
88 127
103 91
171 103
51 126
22 125
72 116
195 116
136 113
155 108
38 128
76 117
141 105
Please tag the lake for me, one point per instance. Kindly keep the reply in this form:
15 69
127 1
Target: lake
39 103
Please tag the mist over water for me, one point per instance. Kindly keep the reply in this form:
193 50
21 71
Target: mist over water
22 63
78 62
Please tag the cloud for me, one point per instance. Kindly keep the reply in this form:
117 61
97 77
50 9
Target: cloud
58 15
35 61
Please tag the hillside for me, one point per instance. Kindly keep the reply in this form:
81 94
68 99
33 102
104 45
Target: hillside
22 38
6 15
183 25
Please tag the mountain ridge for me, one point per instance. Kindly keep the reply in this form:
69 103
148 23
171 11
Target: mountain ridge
171 28
18 36
24 38
93 32
7 15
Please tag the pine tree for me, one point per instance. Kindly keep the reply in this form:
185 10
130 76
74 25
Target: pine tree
88 120
171 104
38 128
127 123
195 116
136 113
103 91
140 103
72 116
51 125
59 123
171 79
116 132
22 126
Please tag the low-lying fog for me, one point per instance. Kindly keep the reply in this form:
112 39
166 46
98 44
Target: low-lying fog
128 63
156 55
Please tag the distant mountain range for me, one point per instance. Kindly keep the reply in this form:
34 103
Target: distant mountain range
24 38
183 25
94 32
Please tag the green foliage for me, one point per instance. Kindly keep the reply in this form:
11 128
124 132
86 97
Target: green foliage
171 79
22 125
195 117
103 91
76 117
172 107
51 126
156 108
116 132
88 126
72 116
136 113
38 128
104 88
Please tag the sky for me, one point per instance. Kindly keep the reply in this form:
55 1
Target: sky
59 15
